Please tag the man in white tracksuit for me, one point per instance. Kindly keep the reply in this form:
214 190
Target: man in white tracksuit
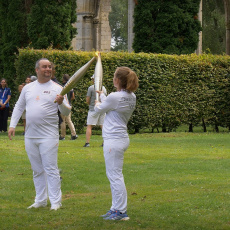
42 133
118 107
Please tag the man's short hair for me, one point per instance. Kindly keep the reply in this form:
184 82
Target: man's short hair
33 78
37 62
66 77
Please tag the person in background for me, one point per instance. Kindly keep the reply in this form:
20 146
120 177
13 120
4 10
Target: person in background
93 118
33 78
53 78
5 95
27 81
118 107
67 119
42 133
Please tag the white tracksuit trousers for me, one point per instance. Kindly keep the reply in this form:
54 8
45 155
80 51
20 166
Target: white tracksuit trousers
42 154
114 157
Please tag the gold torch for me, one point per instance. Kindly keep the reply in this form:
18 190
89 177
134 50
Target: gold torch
98 75
72 82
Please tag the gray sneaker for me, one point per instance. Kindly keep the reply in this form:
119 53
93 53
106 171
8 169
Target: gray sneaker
74 137
86 145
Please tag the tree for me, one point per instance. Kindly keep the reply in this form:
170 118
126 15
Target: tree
13 34
214 26
50 24
167 26
1 45
118 20
40 24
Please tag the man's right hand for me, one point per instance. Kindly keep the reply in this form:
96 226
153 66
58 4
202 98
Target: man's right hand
11 132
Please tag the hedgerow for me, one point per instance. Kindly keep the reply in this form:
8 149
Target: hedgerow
173 90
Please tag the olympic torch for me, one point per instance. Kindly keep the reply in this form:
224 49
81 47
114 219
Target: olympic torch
98 75
72 82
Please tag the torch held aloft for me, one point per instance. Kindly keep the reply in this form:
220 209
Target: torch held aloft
72 82
98 76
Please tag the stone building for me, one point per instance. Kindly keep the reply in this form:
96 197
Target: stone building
93 25
94 31
93 28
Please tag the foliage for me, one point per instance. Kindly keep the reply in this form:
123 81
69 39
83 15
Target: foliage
178 179
1 42
173 90
13 35
213 25
50 24
118 20
169 27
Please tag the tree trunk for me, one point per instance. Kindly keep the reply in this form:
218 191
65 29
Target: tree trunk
227 23
131 35
216 128
164 128
28 4
204 125
190 129
137 130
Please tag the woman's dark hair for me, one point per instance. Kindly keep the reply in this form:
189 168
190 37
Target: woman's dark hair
3 79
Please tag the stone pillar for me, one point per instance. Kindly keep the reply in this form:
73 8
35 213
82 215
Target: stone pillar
131 5
87 33
199 48
97 32
105 31
227 23
84 38
93 25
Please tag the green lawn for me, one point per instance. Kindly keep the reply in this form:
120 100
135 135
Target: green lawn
174 181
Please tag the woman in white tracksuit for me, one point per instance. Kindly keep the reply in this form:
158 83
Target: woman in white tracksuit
118 107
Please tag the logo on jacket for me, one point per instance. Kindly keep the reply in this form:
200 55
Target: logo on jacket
46 92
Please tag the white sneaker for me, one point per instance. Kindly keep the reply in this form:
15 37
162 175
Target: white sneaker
37 205
55 206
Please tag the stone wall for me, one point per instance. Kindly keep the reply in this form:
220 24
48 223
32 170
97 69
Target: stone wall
93 25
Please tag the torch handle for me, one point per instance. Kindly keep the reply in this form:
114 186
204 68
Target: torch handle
97 96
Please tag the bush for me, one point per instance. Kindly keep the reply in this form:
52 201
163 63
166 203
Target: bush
174 90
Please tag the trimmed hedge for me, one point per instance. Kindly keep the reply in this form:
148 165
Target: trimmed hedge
174 90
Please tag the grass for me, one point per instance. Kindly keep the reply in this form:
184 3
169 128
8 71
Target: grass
174 181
